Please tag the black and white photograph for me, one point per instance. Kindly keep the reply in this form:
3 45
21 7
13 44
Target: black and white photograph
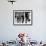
22 17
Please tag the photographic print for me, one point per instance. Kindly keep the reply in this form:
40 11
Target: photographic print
22 17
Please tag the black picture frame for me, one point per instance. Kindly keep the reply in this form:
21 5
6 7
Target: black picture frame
16 11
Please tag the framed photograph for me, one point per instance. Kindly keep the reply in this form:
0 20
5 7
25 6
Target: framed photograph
22 17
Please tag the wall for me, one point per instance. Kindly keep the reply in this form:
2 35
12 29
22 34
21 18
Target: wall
38 30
